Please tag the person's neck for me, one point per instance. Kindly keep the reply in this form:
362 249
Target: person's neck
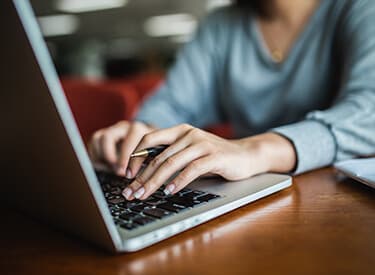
291 11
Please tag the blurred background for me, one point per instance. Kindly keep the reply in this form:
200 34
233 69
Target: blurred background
112 54
116 38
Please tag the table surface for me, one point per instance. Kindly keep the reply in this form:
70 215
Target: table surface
323 224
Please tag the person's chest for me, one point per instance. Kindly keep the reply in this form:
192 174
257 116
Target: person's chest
264 93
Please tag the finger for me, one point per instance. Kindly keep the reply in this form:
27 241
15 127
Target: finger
153 180
135 163
146 174
192 171
93 147
159 137
129 191
107 145
163 136
135 133
108 142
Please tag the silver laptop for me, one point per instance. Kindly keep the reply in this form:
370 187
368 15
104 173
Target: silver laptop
47 173
362 170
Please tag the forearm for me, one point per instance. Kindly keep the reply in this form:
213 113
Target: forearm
272 152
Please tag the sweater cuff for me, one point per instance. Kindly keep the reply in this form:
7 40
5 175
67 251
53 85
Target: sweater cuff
314 144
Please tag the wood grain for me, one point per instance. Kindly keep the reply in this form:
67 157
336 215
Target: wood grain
323 224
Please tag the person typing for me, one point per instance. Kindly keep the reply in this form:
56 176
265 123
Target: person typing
296 79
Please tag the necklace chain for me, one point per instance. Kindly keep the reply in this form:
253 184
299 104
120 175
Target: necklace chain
277 55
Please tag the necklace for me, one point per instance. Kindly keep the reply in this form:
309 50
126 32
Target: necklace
274 48
277 55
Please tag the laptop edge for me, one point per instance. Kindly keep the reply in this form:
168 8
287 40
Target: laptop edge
26 21
98 226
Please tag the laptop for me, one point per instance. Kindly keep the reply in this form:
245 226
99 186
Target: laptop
47 173
362 170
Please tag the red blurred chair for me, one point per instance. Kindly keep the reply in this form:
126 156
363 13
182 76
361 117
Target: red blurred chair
99 104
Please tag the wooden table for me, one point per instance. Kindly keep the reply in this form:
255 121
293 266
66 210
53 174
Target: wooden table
321 225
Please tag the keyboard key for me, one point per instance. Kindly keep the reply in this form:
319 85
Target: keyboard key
111 179
118 183
159 194
207 197
183 191
116 200
194 194
115 191
184 201
140 207
143 220
128 204
102 177
129 216
169 206
115 212
106 187
153 201
156 212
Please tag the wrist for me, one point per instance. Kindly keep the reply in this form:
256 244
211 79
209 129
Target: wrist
272 152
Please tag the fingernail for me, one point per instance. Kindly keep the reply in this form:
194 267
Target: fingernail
127 193
139 193
128 173
169 189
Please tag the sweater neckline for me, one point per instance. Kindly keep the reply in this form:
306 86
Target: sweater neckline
264 51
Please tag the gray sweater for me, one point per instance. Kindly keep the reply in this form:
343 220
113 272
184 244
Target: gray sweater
322 97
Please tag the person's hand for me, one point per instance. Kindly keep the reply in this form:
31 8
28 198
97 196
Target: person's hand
115 144
195 152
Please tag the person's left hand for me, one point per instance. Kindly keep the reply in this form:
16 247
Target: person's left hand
194 152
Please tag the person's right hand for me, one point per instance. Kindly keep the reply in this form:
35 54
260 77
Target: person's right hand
115 144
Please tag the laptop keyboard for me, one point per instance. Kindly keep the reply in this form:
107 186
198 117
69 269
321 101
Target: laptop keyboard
132 214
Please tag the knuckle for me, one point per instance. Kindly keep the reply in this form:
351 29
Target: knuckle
169 162
140 127
141 180
122 123
182 178
219 155
193 167
195 132
106 136
185 126
146 139
97 135
137 125
206 144
157 161
211 148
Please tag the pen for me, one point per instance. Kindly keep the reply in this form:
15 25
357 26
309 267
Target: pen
149 152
